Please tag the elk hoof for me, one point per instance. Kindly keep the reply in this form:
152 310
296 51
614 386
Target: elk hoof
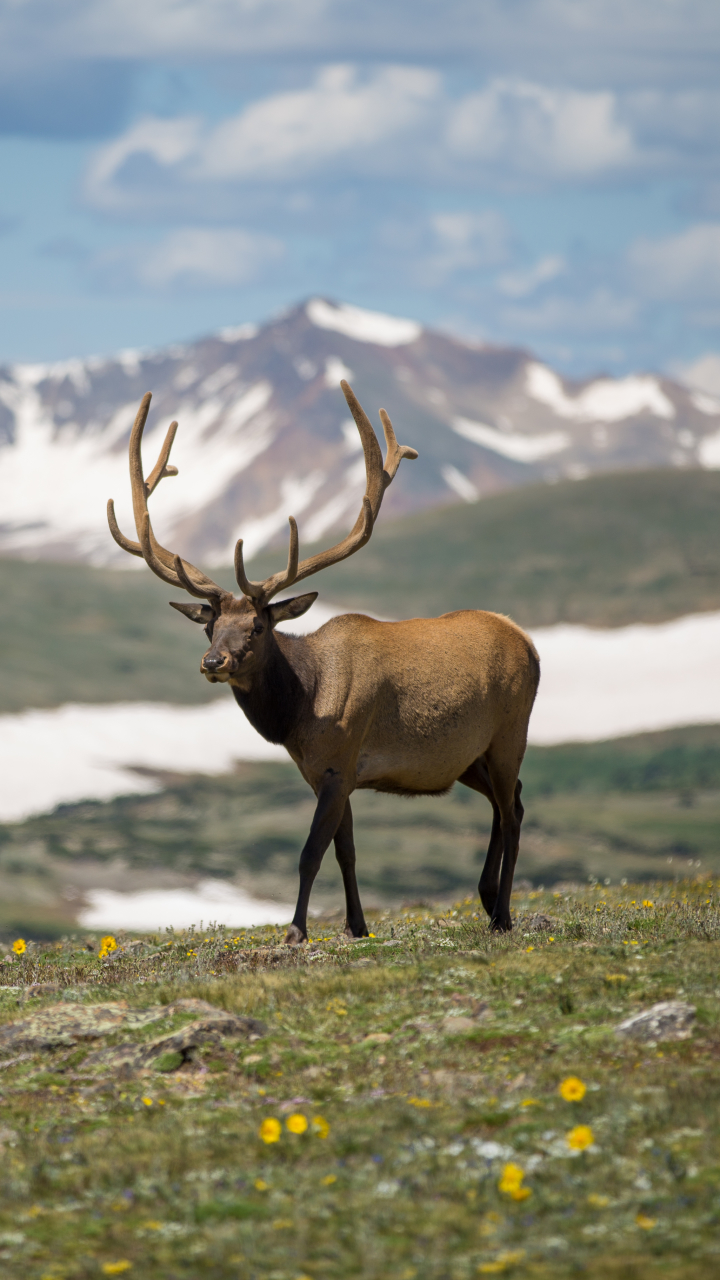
294 936
501 924
352 935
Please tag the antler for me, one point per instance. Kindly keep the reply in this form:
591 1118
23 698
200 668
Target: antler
378 477
167 565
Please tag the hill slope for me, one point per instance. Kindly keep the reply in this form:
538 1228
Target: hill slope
265 431
607 551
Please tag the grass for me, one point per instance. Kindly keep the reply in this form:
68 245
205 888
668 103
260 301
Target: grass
423 1068
609 550
637 808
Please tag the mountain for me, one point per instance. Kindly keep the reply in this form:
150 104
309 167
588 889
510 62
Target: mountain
265 432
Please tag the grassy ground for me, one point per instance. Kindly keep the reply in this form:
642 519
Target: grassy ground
638 808
425 1061
606 551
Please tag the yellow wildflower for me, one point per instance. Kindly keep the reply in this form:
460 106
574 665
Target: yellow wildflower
646 1223
108 943
530 1102
419 1102
116 1268
572 1089
511 1179
321 1126
270 1130
147 1102
580 1137
328 1180
648 903
598 1202
19 946
261 1185
296 1123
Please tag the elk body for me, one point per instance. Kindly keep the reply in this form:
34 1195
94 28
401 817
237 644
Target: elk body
402 707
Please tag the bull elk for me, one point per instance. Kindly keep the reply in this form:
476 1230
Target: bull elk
402 707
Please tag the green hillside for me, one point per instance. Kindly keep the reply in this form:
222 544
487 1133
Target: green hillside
609 550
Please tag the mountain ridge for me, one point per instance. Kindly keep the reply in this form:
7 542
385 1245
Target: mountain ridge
265 432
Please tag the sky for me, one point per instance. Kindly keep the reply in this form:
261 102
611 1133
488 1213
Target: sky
541 173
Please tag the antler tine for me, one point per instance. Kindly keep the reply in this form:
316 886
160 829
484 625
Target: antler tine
284 578
395 452
377 480
161 561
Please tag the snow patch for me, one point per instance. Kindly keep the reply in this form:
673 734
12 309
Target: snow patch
238 333
520 448
363 326
335 371
603 684
217 440
705 404
606 400
709 452
459 483
151 909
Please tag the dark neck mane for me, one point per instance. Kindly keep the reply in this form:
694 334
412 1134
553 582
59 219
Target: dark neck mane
280 692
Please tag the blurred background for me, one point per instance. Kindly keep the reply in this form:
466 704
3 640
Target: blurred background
499 221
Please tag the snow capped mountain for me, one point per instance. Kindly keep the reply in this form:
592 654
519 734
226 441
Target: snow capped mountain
265 432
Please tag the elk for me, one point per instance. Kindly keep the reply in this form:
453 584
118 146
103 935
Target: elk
402 707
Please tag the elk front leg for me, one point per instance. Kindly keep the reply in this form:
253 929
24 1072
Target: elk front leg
355 926
331 801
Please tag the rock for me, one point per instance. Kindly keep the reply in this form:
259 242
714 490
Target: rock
668 1020
454 1026
70 1023
538 923
177 1045
392 942
377 1037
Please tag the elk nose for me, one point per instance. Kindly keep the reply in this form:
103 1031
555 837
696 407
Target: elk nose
212 664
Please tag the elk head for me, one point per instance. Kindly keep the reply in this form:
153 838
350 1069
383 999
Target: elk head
239 628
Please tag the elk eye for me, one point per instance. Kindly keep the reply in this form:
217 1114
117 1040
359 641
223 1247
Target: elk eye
258 629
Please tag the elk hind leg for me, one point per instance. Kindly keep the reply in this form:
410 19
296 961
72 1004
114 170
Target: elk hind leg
477 778
355 926
507 787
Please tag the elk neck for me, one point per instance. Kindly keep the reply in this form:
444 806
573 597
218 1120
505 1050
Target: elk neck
281 691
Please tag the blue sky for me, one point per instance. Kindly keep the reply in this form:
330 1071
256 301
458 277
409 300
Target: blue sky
536 172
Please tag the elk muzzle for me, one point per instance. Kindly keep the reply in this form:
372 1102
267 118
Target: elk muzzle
218 666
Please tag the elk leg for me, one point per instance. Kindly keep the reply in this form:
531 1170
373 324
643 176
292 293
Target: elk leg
478 779
355 926
331 801
511 816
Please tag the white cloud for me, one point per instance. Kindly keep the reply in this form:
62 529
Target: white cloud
197 256
339 114
395 121
538 130
518 284
468 240
682 267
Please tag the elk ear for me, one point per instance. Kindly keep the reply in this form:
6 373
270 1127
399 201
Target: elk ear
201 613
294 608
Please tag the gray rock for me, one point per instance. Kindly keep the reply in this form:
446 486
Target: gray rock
668 1020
